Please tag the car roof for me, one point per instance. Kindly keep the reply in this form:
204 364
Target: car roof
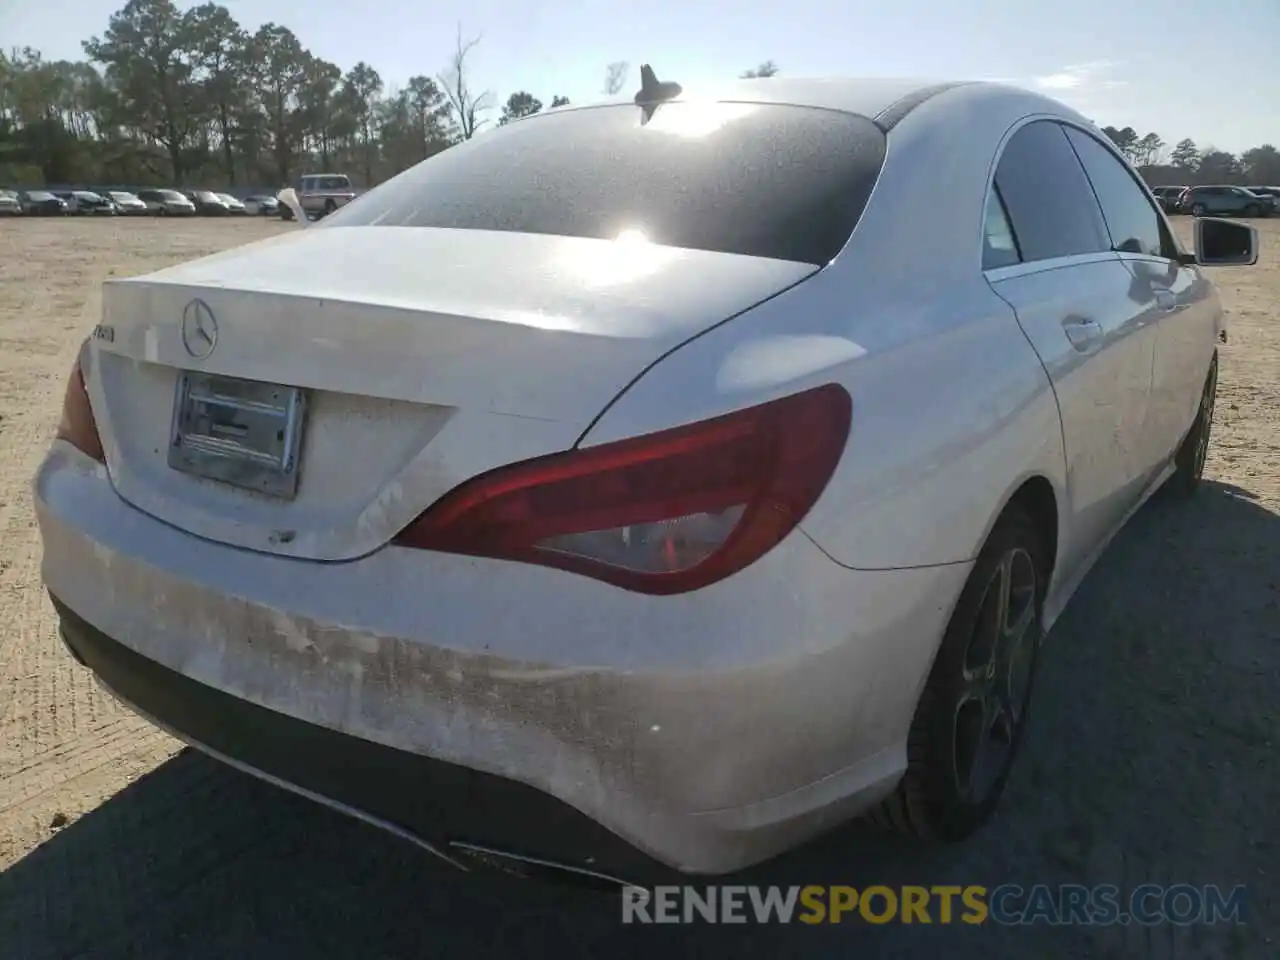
865 96
886 100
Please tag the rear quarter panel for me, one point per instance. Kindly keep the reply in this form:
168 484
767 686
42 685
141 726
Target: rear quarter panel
952 410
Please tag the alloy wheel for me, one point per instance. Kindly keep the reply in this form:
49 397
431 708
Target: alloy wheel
996 677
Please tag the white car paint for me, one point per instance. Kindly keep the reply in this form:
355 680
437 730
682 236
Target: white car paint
710 729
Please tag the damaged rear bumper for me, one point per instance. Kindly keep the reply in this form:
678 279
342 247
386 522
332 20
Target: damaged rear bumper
455 812
505 706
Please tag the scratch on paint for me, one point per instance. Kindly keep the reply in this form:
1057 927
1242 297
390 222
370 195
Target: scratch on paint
294 639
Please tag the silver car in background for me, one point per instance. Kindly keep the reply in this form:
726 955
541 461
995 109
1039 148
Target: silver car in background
127 204
167 203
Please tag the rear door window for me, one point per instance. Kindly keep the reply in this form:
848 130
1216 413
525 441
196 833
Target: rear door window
1132 220
999 246
763 180
1048 198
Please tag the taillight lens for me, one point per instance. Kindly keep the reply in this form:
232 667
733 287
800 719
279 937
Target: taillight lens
663 513
76 425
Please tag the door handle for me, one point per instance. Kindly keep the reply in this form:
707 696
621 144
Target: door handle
1082 332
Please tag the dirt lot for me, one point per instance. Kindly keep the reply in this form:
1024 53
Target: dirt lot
1151 755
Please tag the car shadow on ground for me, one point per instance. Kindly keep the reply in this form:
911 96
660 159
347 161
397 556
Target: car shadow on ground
1149 759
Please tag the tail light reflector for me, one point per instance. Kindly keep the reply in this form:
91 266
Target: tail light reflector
76 425
663 513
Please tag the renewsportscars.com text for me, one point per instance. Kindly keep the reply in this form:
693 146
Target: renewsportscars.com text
1008 904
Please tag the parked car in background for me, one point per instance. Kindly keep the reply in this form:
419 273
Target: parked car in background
167 203
207 203
234 205
42 203
1269 193
777 559
321 194
127 204
1217 200
10 203
260 204
85 202
91 202
1167 197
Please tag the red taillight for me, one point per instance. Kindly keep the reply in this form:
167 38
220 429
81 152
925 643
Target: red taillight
663 513
76 425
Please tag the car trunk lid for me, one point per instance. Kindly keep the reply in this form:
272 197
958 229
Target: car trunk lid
420 356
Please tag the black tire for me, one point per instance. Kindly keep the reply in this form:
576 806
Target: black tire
1190 458
285 213
931 802
329 207
1251 210
1197 210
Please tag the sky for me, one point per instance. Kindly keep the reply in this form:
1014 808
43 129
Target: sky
1168 68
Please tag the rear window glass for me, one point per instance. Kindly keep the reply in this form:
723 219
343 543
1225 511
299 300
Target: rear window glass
783 182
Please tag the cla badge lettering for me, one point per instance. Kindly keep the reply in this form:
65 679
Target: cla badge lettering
199 329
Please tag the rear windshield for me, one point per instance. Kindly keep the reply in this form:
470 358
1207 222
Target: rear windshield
171 195
783 182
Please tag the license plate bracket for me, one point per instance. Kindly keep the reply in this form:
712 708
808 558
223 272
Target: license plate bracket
240 432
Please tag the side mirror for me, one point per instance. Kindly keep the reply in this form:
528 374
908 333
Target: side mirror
289 197
1225 243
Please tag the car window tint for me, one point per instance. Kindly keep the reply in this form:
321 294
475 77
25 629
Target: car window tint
764 180
1131 218
999 248
1048 199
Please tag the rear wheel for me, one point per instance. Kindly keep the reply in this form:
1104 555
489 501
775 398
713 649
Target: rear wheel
971 716
1251 210
1197 209
1190 459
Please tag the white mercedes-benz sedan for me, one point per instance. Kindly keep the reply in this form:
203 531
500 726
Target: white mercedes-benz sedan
641 487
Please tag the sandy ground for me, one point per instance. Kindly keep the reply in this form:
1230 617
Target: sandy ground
1150 757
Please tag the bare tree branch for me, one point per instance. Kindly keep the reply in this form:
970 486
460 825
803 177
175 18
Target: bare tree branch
466 103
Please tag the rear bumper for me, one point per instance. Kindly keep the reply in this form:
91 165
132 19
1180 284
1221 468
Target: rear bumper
435 802
703 732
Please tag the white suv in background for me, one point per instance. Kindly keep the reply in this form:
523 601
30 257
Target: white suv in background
321 194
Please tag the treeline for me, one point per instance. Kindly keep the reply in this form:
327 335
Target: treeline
172 97
1188 164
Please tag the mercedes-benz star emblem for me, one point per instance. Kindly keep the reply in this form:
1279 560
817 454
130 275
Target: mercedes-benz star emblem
199 329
